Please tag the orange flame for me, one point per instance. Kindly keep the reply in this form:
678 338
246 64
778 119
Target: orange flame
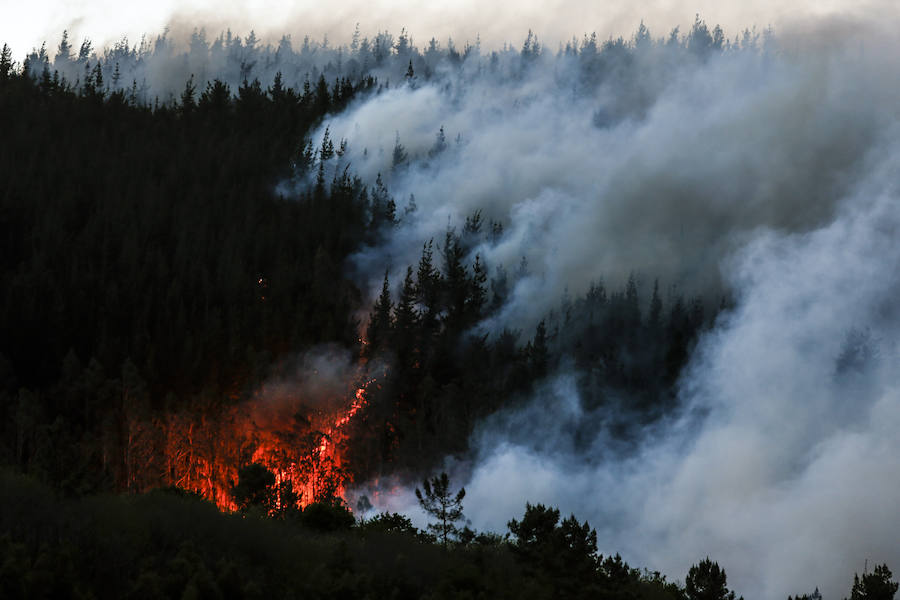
305 451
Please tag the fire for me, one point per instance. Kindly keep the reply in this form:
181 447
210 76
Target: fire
303 447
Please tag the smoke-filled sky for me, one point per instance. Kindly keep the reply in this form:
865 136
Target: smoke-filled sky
26 24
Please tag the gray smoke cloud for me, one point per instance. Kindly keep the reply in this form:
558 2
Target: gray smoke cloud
770 174
26 25
784 463
665 166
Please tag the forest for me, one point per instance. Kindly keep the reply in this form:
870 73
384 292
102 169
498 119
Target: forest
228 328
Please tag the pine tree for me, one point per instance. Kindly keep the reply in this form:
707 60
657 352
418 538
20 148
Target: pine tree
443 505
707 581
455 280
477 290
406 322
379 330
188 103
5 63
64 52
876 585
428 286
399 156
383 208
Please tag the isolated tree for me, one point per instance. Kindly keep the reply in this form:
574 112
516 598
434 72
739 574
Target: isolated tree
707 581
440 503
876 585
64 53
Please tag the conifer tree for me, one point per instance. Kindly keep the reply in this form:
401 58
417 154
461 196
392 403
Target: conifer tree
380 324
707 581
876 585
439 502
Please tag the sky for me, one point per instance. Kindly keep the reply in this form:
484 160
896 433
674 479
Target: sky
25 25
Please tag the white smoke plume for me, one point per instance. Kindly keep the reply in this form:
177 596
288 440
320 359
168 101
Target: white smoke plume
105 21
774 172
666 165
785 462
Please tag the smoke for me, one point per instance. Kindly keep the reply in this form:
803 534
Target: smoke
27 25
644 158
771 174
784 461
767 170
320 381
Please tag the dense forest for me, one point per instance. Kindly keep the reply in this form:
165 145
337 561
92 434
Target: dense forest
200 389
153 269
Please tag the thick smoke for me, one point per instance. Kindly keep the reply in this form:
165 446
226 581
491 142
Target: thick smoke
771 173
784 463
26 25
644 157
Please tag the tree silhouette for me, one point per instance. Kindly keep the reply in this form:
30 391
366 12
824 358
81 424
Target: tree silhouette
255 488
707 581
441 504
876 585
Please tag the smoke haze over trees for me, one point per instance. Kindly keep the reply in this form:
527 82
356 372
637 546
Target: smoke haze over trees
648 280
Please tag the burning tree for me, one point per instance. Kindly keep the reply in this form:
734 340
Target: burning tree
294 454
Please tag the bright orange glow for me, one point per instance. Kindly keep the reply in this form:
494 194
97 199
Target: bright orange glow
303 446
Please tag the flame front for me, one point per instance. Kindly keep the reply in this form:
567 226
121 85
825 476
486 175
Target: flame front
305 449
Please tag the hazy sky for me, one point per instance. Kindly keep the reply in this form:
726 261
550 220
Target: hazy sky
26 24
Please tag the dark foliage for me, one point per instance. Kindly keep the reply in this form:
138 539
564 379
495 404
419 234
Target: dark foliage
876 585
255 488
707 581
148 264
168 545
443 505
159 260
